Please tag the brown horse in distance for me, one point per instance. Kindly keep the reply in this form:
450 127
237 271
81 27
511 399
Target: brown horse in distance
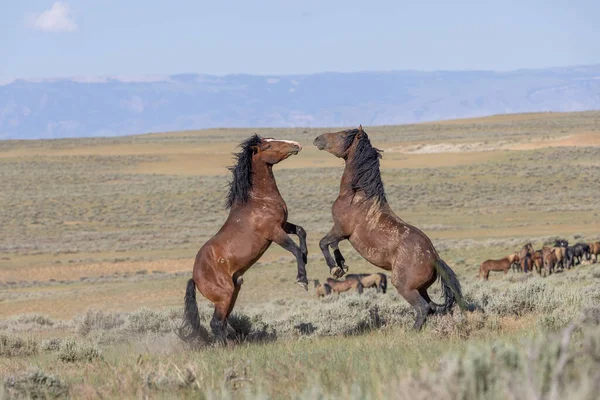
377 281
503 264
345 285
322 289
526 264
257 217
549 263
537 259
595 251
527 250
362 215
560 255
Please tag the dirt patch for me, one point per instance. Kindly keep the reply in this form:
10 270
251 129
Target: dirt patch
579 140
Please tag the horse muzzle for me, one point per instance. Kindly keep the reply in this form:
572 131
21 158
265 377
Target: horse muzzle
319 142
296 149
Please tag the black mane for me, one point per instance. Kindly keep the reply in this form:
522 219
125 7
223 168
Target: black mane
365 165
241 183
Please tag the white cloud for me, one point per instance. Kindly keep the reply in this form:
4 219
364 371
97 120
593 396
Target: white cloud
58 18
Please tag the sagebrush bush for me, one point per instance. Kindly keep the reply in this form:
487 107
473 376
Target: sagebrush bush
12 346
542 371
149 321
73 351
95 320
52 344
37 319
36 385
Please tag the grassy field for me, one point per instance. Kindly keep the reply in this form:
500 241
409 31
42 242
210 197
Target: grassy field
99 235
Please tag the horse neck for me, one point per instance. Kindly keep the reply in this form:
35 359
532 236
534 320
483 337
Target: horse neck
263 181
346 188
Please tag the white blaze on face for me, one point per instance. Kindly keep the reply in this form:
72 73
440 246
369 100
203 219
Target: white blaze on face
285 141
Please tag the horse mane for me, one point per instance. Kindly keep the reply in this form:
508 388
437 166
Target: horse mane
365 164
241 182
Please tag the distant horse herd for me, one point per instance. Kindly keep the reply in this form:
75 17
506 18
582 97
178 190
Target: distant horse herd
544 261
352 281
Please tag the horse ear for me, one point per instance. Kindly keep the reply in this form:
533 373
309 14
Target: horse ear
360 132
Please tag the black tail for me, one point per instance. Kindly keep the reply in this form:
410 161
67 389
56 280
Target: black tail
450 288
190 330
383 283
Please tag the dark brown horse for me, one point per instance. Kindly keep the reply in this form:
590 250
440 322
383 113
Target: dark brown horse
503 264
345 285
257 217
362 215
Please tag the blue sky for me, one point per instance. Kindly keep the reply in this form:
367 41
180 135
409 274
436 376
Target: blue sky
46 38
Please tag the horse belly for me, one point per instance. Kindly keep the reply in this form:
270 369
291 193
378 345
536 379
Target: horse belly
232 254
378 253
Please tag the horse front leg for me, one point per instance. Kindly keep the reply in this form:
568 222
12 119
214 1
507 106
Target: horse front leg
299 231
337 267
281 238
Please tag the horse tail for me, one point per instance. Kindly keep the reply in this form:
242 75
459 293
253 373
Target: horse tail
383 283
450 288
190 330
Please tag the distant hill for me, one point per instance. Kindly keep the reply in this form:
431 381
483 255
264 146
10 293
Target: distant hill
110 106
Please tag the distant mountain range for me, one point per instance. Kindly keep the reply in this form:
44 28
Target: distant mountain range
109 106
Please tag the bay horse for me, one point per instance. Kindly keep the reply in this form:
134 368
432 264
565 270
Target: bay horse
538 260
595 250
257 217
549 263
378 281
503 264
362 215
526 264
526 251
345 285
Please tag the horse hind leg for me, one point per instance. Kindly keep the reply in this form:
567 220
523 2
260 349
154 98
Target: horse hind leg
223 297
421 305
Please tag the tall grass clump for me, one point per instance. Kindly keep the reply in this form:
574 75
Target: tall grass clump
13 346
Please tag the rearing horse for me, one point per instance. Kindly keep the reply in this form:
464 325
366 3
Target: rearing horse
362 215
257 217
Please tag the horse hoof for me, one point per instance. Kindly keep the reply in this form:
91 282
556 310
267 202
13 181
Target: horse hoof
303 285
338 272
